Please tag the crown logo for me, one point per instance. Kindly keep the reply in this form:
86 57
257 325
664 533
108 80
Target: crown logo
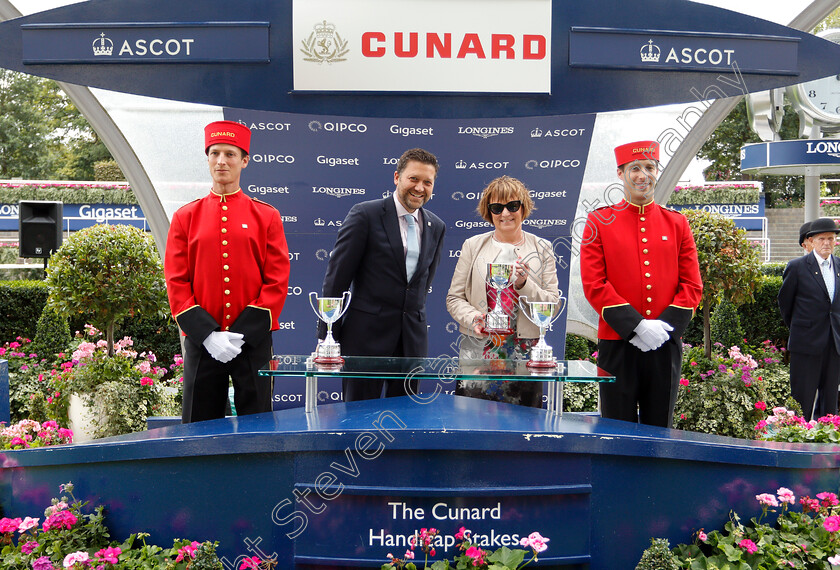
324 45
461 164
536 133
386 193
650 52
319 222
103 45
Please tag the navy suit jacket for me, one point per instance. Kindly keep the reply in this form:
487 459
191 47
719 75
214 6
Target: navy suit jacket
806 308
368 259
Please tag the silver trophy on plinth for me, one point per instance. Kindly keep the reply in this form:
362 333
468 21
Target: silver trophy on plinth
499 276
329 310
541 313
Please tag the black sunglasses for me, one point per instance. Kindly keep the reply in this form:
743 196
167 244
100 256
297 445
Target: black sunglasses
512 207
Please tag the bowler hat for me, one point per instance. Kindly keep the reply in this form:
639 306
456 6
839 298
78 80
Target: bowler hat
821 226
803 231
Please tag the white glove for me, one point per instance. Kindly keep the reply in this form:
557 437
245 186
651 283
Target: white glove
639 343
220 345
653 332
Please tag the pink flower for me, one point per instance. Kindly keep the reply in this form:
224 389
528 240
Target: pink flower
29 546
146 381
748 545
476 554
462 533
683 381
766 499
702 536
28 523
9 525
834 560
409 555
786 495
110 555
832 523
253 563
760 406
187 551
74 557
59 520
828 499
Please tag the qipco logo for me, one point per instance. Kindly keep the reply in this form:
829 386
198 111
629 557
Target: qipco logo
317 126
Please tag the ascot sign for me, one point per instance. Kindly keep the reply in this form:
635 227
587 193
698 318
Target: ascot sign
467 51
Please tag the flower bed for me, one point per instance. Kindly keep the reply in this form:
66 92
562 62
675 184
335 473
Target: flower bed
715 194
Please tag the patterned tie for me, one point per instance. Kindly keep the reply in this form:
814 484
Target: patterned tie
412 246
828 277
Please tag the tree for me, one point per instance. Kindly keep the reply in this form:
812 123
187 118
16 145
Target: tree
723 148
106 273
729 264
42 134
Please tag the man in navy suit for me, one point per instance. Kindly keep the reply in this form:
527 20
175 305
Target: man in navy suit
810 303
387 251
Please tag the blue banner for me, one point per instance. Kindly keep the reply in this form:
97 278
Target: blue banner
746 216
313 168
79 216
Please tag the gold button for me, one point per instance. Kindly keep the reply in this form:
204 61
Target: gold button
227 305
227 316
647 312
227 291
644 251
647 274
644 240
227 328
225 254
641 230
647 262
224 207
649 299
650 286
642 218
224 230
224 242
224 218
226 267
227 279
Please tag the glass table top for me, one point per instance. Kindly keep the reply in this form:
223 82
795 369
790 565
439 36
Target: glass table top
436 368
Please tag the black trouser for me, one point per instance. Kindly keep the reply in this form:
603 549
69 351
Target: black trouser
644 381
355 389
206 382
813 375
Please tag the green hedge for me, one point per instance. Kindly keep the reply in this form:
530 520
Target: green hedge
79 194
21 303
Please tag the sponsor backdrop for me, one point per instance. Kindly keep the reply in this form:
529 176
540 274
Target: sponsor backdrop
79 216
313 168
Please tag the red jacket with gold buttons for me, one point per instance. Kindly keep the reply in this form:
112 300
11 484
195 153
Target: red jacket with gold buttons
227 266
639 262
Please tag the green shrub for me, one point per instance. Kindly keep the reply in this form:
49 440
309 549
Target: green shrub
159 335
761 319
69 194
658 556
52 334
726 325
579 347
108 170
21 303
775 268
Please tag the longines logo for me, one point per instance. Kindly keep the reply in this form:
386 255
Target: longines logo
542 224
539 133
485 132
650 52
316 126
556 163
103 45
338 192
288 219
831 148
324 45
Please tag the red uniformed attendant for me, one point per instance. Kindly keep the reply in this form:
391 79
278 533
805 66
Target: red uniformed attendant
639 269
227 275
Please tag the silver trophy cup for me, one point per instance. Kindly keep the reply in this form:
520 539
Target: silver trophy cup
329 310
541 313
499 276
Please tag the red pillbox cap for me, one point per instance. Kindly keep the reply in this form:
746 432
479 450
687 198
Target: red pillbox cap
228 132
640 150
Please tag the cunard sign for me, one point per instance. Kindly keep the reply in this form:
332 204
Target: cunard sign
505 47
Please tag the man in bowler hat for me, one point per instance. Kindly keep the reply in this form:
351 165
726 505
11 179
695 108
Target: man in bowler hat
810 306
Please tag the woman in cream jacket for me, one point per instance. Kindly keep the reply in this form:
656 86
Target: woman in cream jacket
505 203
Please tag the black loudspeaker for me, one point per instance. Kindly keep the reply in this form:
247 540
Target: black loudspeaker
39 230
